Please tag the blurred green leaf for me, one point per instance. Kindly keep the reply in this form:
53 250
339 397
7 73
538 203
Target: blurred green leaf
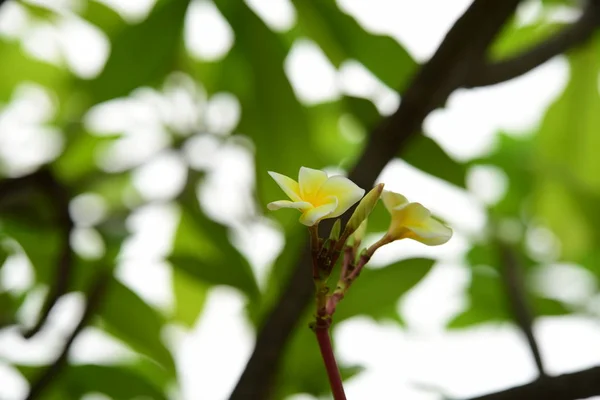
8 309
516 37
335 133
514 155
295 240
142 54
575 112
488 302
425 154
131 319
376 292
119 382
17 67
341 37
78 159
190 296
273 117
203 250
103 17
41 253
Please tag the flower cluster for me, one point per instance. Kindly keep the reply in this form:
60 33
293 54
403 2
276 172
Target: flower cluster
318 197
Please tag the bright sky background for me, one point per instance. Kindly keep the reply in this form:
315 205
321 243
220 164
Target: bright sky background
400 362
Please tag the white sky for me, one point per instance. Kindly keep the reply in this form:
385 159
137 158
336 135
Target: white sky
210 357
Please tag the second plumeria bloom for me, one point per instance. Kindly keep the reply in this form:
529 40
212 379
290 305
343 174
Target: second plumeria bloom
413 221
316 195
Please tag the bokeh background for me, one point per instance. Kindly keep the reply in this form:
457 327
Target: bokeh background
138 260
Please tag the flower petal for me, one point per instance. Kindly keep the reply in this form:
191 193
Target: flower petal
288 185
310 181
300 205
342 188
393 200
314 215
431 233
413 213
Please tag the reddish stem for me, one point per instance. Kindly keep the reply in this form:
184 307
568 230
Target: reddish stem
333 373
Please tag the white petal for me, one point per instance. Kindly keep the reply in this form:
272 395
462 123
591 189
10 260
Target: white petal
310 181
288 185
300 205
392 200
346 192
312 216
431 233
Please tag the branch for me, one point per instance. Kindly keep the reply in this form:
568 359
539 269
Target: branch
573 35
50 374
437 79
514 283
58 195
576 385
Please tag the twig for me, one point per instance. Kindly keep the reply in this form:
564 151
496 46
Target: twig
571 36
59 196
94 300
514 283
333 372
12 190
437 79
576 385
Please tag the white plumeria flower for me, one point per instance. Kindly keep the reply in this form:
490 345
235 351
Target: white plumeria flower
316 195
413 221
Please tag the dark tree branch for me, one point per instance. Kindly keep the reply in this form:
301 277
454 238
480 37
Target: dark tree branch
576 385
437 79
15 189
574 35
50 374
514 283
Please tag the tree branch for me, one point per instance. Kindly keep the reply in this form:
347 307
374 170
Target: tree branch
436 80
514 282
573 35
47 376
58 195
576 385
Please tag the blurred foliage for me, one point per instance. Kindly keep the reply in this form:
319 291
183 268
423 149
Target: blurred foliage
553 179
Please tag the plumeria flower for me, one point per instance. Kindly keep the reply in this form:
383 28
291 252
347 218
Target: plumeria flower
413 221
316 195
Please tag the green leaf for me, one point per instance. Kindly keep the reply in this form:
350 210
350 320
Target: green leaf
514 155
516 38
376 292
280 273
571 127
273 117
8 309
335 133
103 16
203 250
78 159
425 154
341 37
17 67
41 253
488 301
131 319
119 382
142 54
190 296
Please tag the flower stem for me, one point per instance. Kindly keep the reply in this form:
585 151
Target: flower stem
333 373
